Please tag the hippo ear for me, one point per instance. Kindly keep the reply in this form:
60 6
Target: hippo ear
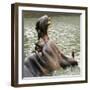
73 54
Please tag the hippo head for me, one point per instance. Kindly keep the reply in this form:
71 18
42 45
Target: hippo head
42 25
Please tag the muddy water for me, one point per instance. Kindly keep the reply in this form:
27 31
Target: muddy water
64 30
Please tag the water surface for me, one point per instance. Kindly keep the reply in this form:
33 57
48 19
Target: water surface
64 30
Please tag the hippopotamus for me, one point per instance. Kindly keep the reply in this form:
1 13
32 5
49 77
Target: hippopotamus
47 57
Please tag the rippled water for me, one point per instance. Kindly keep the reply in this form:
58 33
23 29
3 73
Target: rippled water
64 30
